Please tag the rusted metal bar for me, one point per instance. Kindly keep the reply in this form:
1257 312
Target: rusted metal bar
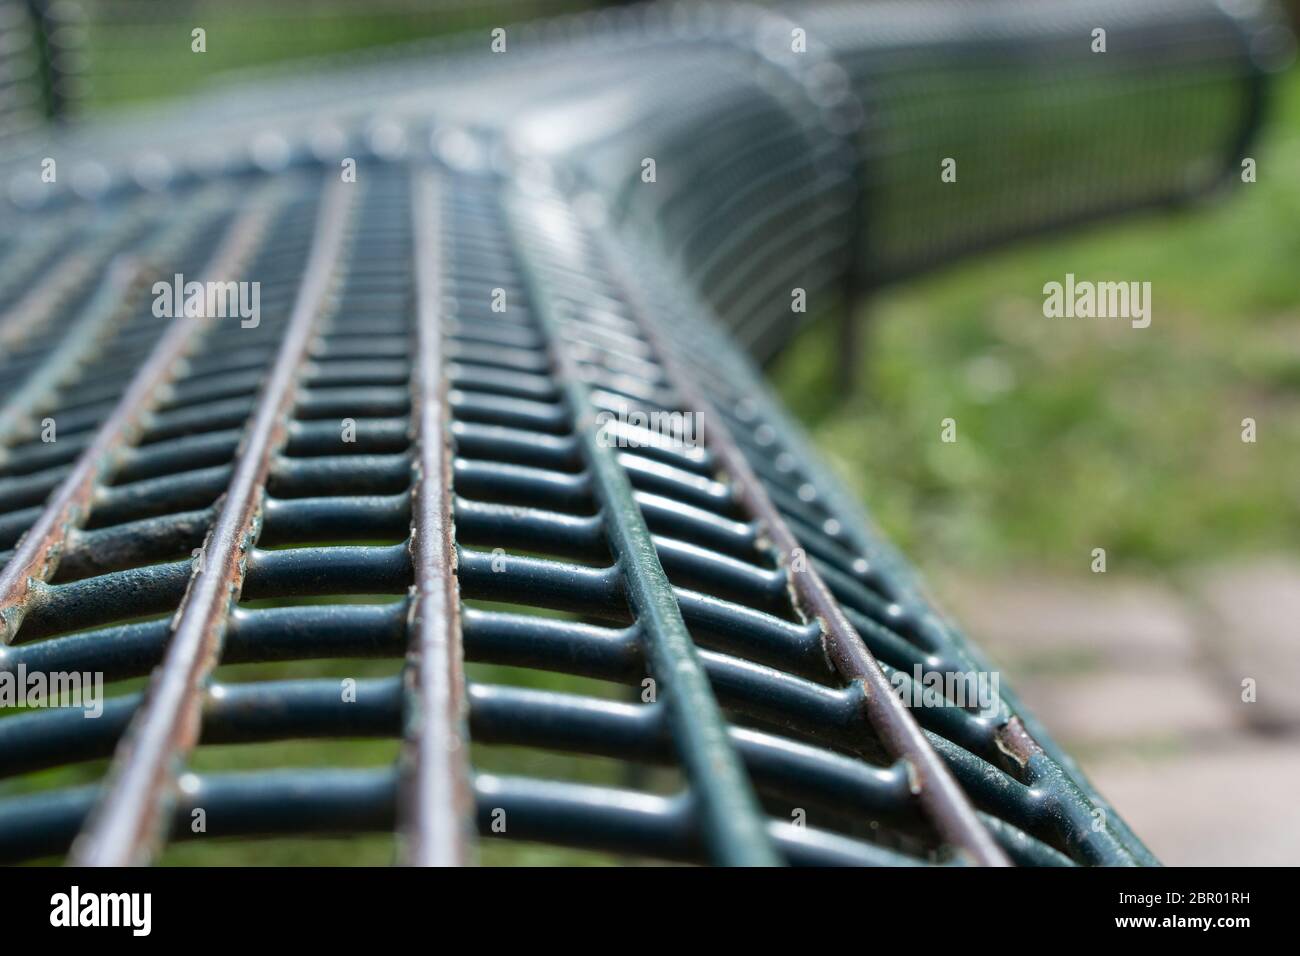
107 304
132 811
43 298
20 265
437 799
935 788
733 824
38 553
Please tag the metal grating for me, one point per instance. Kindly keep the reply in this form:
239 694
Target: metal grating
431 450
673 561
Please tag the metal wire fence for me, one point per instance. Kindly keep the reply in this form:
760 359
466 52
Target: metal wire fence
116 53
21 98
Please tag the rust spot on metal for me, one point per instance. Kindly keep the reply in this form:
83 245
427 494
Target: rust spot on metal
1016 742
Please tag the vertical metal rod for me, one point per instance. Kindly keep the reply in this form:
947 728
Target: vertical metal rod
734 826
437 801
937 791
130 815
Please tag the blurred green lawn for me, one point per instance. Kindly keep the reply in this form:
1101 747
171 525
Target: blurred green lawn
1082 433
136 51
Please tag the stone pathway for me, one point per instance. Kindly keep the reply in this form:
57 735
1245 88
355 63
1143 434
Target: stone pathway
1143 682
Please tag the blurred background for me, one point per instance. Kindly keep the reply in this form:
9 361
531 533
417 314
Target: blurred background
1074 435
1083 434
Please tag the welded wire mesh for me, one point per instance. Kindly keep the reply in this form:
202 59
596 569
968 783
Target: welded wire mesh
484 493
541 526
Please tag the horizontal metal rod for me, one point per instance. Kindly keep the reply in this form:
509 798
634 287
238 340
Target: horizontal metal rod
347 801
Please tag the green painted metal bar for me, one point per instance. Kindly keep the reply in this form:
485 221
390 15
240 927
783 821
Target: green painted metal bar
733 822
935 789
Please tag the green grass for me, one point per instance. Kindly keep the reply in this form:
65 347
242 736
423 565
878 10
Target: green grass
1082 433
132 60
